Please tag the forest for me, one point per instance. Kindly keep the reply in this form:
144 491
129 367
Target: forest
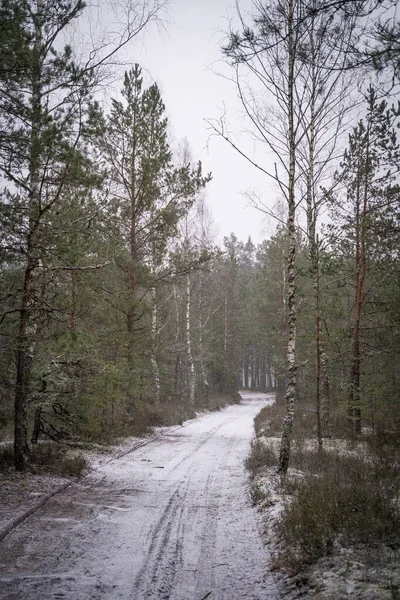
119 311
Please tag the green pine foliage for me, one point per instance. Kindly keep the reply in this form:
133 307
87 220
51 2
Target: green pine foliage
100 251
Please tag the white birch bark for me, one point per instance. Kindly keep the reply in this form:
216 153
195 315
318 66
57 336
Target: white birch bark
204 382
226 324
284 455
190 362
153 361
177 336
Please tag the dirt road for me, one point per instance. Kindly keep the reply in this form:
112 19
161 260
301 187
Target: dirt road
171 520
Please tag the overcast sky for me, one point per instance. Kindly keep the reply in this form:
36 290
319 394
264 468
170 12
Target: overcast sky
182 60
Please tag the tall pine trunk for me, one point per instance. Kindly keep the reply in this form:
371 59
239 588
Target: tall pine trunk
24 360
24 351
132 243
354 400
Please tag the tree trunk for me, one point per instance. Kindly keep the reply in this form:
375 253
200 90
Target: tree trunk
201 325
318 353
325 395
72 314
284 455
190 362
314 250
354 401
246 372
226 324
156 378
178 360
37 425
153 361
24 360
263 372
132 242
24 352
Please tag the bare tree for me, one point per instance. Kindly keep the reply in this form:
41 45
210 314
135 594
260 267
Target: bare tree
288 71
329 92
269 56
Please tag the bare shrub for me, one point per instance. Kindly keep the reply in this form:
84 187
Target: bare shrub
269 420
50 457
261 455
351 500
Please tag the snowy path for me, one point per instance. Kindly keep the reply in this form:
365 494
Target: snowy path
170 521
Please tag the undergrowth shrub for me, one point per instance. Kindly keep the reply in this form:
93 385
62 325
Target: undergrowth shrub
269 420
257 494
384 441
50 457
261 455
47 457
351 500
146 415
6 457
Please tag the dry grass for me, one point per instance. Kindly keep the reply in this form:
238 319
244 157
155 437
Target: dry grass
50 457
345 499
47 457
261 455
346 494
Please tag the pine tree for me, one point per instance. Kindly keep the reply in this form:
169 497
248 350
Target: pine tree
368 171
42 115
150 195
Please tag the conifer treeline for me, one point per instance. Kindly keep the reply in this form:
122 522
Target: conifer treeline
118 311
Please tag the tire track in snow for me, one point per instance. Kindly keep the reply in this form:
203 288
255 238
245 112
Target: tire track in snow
36 507
164 554
164 557
171 521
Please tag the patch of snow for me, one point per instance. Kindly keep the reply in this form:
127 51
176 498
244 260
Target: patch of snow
359 572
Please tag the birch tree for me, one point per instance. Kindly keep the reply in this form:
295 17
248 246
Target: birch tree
288 71
329 91
269 54
205 309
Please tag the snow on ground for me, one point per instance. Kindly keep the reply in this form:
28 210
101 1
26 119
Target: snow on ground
170 520
358 572
21 492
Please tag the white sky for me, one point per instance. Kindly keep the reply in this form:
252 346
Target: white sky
181 60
